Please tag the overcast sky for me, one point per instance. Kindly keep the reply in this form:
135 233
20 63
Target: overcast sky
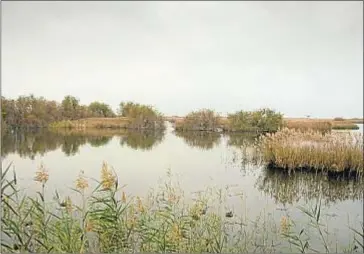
296 57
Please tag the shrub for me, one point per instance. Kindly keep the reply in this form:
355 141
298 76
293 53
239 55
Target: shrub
141 116
339 119
263 120
202 120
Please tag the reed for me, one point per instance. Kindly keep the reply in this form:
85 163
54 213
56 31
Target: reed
335 152
322 126
106 220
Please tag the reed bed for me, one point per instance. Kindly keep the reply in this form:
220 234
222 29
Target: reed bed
108 220
304 125
335 152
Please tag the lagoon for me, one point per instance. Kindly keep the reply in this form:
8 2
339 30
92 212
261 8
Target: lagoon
198 162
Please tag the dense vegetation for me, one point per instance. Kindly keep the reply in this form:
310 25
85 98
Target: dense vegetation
263 120
107 220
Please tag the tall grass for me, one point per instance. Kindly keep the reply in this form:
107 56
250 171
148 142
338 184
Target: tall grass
108 220
337 152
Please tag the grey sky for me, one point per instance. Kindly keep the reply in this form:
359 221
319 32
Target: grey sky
296 57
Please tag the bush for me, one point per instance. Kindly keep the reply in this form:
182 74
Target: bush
202 120
141 116
339 119
263 120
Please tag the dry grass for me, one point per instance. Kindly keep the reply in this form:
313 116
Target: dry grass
308 124
97 123
322 124
334 152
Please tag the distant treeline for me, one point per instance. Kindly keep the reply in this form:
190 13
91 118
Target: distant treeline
34 112
31 111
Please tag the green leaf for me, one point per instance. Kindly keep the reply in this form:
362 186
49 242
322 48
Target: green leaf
301 231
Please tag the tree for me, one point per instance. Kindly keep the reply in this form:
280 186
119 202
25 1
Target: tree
100 109
70 105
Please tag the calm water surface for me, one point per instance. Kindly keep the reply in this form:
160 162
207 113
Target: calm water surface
198 161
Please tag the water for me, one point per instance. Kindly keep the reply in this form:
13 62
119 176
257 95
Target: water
198 161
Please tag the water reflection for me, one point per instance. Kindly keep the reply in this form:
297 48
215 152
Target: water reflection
144 140
199 139
28 144
241 139
289 189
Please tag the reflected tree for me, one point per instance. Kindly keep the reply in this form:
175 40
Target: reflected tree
200 139
30 143
99 141
142 140
241 139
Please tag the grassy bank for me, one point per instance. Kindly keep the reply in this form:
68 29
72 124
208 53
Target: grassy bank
331 153
138 123
108 220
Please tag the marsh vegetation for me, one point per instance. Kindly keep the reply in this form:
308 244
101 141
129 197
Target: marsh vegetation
336 152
